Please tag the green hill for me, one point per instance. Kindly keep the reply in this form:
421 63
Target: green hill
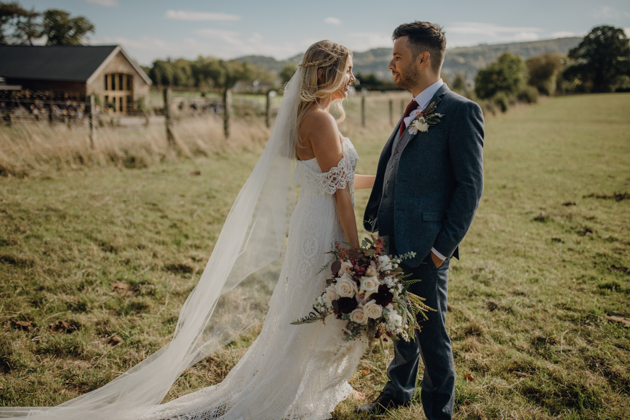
464 60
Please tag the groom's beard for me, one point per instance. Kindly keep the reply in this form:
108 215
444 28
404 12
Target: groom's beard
409 77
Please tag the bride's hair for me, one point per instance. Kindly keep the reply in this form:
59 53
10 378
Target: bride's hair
332 58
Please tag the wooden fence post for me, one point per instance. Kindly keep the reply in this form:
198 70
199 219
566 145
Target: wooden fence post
268 110
51 116
362 110
227 104
168 99
391 112
92 122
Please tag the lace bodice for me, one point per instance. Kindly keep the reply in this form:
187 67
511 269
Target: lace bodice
313 181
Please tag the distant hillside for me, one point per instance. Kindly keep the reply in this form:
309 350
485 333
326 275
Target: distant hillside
464 60
468 60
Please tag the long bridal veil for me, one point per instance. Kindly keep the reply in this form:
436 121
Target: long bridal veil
231 295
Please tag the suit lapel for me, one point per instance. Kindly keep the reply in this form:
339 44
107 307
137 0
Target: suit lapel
436 99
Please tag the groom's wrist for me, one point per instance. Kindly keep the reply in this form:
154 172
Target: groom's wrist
437 254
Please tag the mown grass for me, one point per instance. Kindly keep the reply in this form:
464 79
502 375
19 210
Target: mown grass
95 264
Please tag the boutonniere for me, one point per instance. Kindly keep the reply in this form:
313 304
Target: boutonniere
425 119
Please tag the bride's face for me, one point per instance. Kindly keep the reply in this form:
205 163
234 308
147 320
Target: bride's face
342 93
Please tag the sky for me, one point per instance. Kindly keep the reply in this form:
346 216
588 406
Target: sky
159 29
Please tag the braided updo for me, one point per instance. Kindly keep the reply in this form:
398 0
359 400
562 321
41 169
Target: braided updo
332 58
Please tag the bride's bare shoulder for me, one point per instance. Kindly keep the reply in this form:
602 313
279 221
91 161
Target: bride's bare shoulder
319 126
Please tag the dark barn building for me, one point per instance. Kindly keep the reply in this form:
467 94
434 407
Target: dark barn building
73 72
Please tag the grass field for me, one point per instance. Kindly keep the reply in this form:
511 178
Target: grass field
95 264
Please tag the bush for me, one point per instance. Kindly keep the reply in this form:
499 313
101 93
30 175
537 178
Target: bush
542 71
506 75
503 101
528 94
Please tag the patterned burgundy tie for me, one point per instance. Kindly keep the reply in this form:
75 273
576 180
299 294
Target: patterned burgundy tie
412 105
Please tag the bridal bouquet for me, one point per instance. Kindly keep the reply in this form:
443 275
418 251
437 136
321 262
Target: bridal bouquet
369 290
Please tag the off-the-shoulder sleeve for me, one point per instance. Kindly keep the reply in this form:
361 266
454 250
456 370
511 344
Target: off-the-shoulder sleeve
336 178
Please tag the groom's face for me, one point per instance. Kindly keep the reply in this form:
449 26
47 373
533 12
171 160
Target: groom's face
403 66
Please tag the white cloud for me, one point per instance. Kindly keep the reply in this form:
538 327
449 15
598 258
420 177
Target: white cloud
627 31
332 21
106 3
489 29
606 12
229 37
459 34
363 41
565 34
197 16
208 42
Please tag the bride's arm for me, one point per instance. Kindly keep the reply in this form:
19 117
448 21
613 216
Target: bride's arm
363 181
324 139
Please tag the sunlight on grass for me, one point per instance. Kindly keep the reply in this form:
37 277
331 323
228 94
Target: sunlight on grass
96 263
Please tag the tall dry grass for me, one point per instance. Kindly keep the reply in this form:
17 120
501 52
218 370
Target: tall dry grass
35 149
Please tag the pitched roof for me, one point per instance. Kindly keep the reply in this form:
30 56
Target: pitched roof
68 63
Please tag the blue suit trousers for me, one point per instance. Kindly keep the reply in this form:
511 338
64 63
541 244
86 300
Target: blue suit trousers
432 344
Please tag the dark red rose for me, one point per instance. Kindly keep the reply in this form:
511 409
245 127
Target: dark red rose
345 305
384 297
359 270
335 267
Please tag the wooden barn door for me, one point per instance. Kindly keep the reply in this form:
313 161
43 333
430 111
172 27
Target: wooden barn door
118 93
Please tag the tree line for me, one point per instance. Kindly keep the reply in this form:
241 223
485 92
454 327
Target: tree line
20 26
600 63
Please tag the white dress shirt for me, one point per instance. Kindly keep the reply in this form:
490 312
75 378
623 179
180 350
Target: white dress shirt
423 99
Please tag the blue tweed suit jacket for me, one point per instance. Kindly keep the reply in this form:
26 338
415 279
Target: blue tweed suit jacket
439 181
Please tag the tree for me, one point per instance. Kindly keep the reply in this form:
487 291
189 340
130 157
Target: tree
459 84
61 29
542 71
506 75
287 72
225 74
25 26
601 59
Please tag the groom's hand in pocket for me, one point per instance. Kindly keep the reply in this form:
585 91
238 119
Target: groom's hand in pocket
436 260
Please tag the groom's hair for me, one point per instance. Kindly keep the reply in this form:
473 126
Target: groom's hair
424 36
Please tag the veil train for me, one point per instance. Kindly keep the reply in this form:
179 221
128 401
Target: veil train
231 294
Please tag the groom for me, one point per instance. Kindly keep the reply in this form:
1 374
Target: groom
428 185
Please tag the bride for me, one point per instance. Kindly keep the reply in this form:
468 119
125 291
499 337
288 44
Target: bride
289 372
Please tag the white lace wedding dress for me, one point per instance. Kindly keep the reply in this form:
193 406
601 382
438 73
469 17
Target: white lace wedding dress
291 371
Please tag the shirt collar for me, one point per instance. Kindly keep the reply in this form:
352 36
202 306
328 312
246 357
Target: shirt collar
425 96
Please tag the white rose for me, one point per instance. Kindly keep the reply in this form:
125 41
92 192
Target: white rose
331 294
346 267
345 276
346 287
358 316
373 310
372 271
369 285
421 125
